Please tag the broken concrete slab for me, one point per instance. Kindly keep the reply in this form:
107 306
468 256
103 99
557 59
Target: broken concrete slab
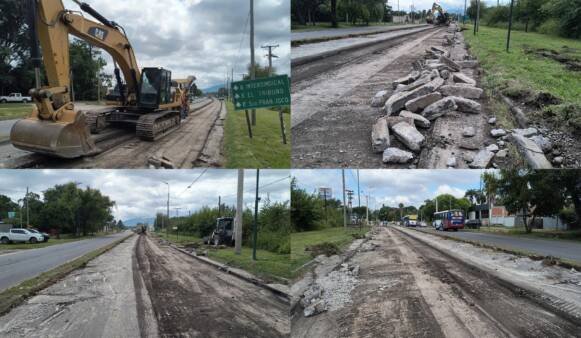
379 98
531 152
403 81
316 308
396 155
498 132
463 78
434 74
502 153
448 62
445 74
492 120
465 91
482 159
439 108
543 142
469 132
451 162
393 120
470 143
527 132
419 120
380 135
397 101
408 135
439 50
422 102
493 148
418 83
466 105
468 63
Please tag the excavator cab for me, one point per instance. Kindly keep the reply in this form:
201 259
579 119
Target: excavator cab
155 88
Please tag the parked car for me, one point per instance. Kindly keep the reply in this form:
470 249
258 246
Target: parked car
473 224
44 234
15 97
20 236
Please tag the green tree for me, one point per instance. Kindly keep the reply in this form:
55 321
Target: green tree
86 64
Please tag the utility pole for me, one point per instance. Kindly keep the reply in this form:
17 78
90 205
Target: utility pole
252 61
239 213
27 209
270 56
255 225
464 16
367 209
358 191
219 206
509 26
344 206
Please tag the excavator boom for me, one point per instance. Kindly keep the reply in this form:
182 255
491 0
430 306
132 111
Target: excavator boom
55 127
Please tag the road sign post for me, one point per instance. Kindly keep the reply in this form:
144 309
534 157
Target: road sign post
262 93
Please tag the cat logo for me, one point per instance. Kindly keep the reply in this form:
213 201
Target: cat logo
98 33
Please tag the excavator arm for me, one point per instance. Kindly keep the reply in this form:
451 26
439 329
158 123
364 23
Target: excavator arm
55 127
55 24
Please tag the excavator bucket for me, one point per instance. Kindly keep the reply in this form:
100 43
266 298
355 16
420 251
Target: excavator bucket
59 139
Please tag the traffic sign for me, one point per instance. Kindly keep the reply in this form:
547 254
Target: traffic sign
261 93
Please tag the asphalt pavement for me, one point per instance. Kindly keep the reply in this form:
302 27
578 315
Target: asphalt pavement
570 250
21 265
338 32
5 127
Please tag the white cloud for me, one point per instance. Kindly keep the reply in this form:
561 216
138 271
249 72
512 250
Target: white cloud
140 193
446 189
199 37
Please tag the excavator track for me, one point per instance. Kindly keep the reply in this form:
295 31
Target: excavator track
96 120
154 126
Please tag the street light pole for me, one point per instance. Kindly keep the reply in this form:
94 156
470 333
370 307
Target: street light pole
255 226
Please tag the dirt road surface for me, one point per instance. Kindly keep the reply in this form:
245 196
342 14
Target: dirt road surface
192 299
96 301
332 115
182 147
409 289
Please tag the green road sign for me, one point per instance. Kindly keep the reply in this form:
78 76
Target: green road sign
261 93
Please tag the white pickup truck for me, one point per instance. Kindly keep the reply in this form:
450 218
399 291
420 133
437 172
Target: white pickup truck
20 235
15 97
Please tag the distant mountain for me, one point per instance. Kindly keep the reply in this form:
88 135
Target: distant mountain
213 89
134 221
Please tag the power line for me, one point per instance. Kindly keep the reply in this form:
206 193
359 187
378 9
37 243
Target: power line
195 180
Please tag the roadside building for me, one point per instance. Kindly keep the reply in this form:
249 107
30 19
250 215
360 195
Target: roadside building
498 215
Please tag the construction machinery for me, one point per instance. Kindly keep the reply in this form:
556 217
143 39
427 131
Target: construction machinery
223 234
146 100
437 16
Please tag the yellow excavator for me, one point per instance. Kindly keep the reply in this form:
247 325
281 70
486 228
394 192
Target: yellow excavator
147 100
441 19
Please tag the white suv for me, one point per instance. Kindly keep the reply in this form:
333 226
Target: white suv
20 235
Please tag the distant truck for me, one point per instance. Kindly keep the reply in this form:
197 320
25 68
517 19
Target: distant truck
20 236
15 97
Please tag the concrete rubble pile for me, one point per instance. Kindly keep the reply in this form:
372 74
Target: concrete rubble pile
436 87
330 292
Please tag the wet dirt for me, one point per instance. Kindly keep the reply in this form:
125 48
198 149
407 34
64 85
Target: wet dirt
192 299
408 289
571 63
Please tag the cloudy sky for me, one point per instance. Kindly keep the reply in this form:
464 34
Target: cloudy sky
205 38
448 5
141 193
391 187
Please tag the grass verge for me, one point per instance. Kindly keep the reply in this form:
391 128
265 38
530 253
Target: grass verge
268 265
265 149
15 295
524 72
12 111
301 240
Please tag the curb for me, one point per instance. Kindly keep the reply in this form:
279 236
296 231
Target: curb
542 299
300 42
312 58
345 257
223 267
